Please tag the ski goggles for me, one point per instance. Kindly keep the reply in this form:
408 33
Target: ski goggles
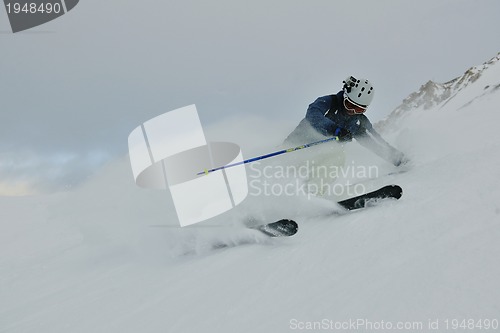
353 108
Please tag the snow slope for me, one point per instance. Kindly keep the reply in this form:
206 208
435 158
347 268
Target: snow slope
108 256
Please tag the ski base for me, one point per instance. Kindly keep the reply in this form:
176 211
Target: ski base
281 228
362 201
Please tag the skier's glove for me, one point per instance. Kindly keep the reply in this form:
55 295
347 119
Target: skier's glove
343 134
400 159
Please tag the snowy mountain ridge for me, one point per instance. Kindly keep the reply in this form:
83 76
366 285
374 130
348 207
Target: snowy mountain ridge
434 95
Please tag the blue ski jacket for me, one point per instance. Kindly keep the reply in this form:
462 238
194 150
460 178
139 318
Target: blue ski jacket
327 116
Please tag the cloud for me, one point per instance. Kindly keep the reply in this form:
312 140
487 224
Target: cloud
102 72
17 189
27 172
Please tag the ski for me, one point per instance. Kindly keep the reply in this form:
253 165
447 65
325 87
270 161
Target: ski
363 200
281 228
287 228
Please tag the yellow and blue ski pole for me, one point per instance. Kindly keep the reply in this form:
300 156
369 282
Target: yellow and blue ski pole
258 158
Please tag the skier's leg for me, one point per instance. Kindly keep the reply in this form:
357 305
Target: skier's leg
324 167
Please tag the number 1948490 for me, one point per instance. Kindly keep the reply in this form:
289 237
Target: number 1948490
33 8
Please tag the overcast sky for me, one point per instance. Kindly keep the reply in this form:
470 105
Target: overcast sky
72 90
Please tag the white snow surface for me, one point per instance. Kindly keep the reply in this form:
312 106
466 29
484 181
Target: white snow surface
110 257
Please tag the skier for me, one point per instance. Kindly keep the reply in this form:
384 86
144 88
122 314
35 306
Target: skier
342 115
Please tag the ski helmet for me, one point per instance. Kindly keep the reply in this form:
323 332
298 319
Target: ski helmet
359 91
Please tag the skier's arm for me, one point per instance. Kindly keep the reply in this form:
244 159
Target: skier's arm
369 138
316 115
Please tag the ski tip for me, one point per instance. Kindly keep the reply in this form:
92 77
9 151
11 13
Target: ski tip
393 191
281 228
290 223
397 190
288 227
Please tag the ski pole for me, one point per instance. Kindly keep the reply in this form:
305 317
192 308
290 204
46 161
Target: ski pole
276 153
